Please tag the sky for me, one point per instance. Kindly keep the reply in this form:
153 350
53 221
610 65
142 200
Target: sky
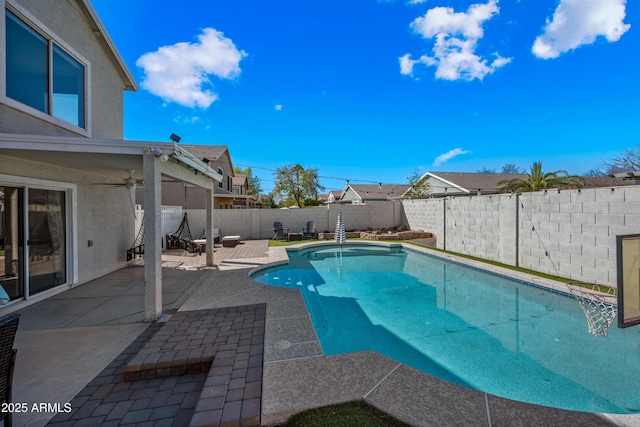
371 90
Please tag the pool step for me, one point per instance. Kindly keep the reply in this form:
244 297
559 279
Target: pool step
227 344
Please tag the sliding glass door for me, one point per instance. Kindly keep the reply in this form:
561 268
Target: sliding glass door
33 241
11 244
46 239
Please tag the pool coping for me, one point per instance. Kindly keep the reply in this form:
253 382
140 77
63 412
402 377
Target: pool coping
389 385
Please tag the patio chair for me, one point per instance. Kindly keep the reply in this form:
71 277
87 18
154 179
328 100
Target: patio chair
280 232
310 232
182 239
8 328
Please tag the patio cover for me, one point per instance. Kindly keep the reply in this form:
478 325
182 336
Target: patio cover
153 162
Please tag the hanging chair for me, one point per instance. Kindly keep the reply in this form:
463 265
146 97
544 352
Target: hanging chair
137 248
182 239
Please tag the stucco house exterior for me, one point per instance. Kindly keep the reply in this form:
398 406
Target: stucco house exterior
67 178
331 197
241 197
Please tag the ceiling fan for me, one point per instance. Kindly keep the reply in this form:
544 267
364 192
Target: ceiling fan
130 183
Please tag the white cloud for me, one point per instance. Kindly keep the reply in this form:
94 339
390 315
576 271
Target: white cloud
442 158
456 35
416 1
181 72
278 107
577 23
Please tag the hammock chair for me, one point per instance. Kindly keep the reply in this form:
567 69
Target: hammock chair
137 248
182 239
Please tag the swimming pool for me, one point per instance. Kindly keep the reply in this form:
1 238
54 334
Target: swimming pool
463 325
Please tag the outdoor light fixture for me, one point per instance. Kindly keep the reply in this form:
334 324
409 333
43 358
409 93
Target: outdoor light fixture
162 156
175 138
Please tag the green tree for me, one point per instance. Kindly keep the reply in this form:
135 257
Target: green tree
419 185
295 183
268 201
538 180
255 186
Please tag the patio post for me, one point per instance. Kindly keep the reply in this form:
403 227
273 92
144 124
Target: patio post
209 224
152 237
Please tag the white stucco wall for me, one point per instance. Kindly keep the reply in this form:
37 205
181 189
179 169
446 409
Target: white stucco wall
105 215
571 233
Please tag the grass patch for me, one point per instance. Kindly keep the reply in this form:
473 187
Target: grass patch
351 414
283 242
286 243
497 264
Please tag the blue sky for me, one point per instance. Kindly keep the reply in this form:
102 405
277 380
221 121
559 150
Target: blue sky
369 90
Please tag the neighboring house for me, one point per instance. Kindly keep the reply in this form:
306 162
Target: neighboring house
333 196
468 183
67 178
465 183
189 197
361 193
241 197
613 180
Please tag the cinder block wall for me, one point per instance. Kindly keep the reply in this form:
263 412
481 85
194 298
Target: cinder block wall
258 223
571 233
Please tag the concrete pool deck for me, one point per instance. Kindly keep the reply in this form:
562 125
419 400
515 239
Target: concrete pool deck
296 374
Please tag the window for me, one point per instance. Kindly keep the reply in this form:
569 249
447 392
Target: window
42 75
220 185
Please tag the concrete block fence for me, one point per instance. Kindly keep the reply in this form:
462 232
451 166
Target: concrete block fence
569 233
258 223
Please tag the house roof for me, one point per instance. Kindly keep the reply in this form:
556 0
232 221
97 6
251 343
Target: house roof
211 152
472 182
375 191
606 181
214 153
101 33
239 180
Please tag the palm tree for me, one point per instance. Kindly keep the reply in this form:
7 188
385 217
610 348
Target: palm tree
539 180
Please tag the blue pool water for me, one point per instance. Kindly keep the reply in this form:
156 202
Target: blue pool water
464 325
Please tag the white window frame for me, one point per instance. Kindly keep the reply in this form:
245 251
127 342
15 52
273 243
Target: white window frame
71 205
51 37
